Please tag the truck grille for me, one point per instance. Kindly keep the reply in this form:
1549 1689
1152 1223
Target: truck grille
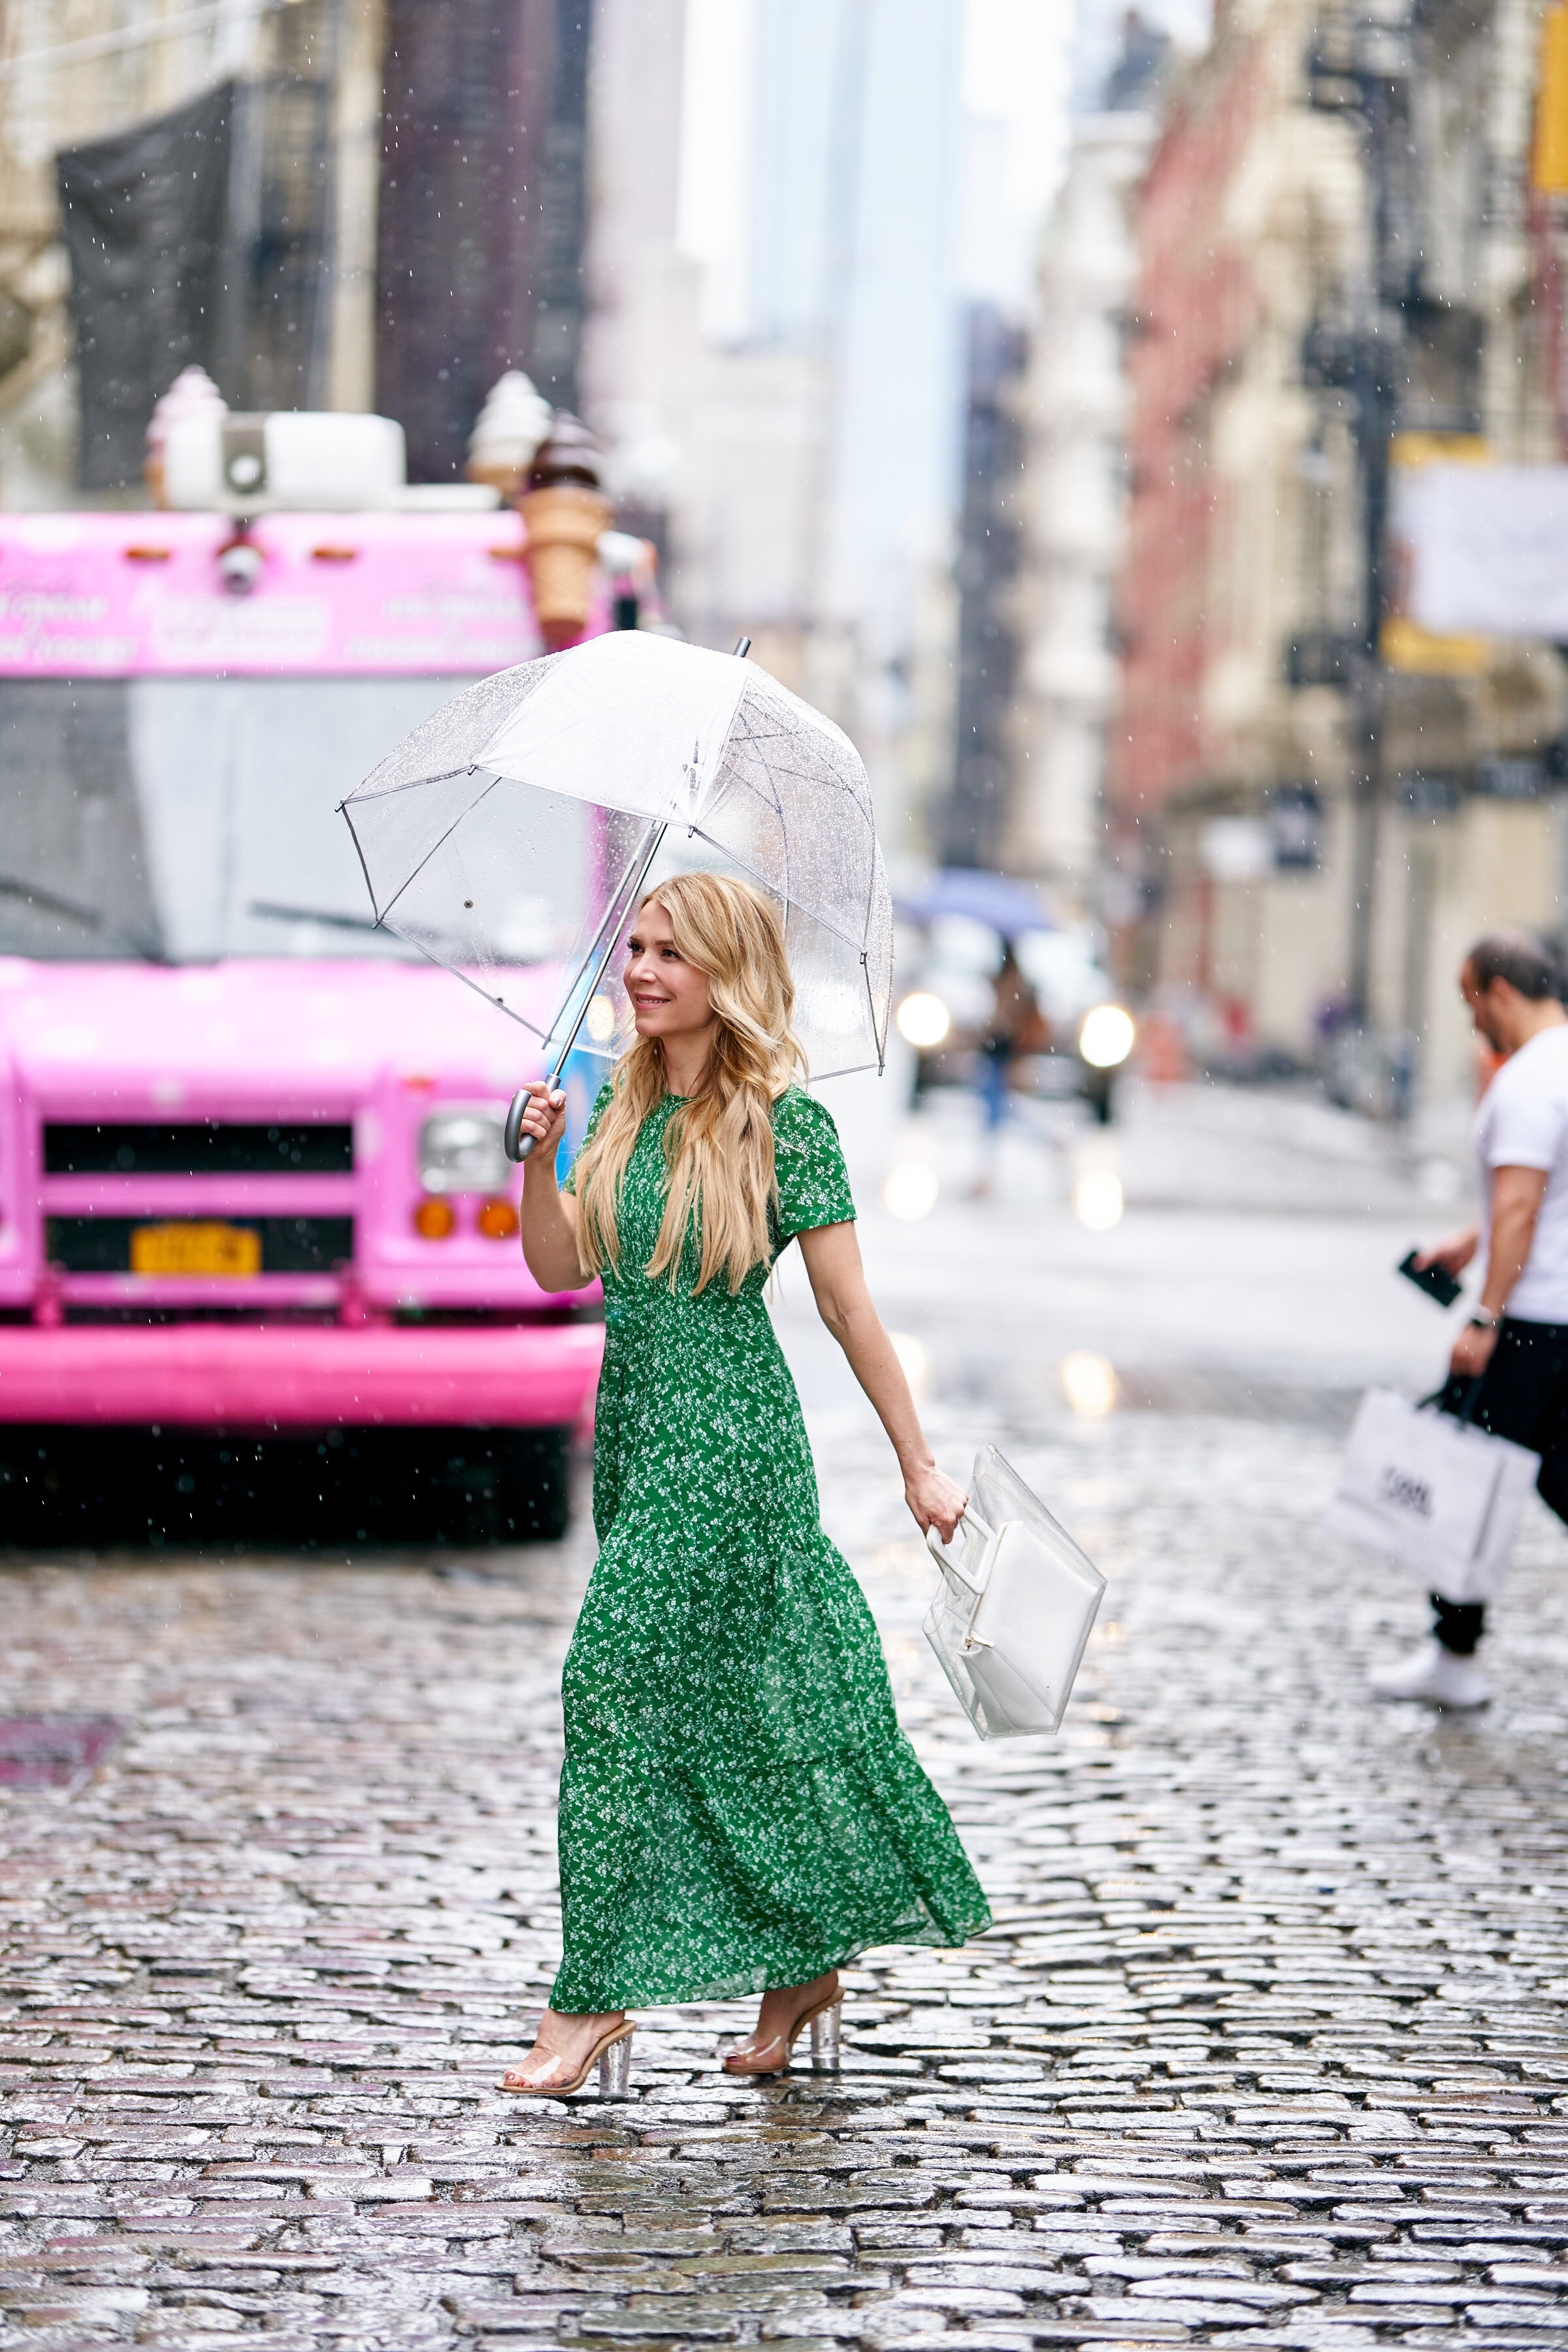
289 1244
186 1147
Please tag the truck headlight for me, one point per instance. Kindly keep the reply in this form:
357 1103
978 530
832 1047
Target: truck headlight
1106 1036
923 1020
462 1152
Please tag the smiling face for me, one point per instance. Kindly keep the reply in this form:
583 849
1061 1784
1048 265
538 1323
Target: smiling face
670 997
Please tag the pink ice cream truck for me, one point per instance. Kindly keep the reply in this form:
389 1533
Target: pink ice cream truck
259 1268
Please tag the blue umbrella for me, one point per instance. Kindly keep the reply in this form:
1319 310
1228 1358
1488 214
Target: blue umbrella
1009 906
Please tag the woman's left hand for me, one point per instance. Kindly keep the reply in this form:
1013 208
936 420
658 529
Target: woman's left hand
936 1500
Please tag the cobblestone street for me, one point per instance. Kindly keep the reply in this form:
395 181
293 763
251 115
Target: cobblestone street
1268 2044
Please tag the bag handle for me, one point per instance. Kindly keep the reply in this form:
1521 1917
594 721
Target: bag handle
944 1559
1466 1412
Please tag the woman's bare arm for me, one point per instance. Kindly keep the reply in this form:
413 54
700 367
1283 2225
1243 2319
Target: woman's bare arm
548 1215
832 1254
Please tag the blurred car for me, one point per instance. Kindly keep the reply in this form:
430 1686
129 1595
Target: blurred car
1084 1037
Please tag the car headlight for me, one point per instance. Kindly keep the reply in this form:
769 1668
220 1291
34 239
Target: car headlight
462 1152
923 1020
1106 1036
600 1018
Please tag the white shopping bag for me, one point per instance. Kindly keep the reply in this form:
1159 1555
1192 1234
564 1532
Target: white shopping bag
1439 1495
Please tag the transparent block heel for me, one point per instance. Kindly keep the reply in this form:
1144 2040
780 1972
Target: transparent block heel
824 2028
616 2070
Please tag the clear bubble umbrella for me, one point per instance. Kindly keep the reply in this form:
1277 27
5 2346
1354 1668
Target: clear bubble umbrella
522 824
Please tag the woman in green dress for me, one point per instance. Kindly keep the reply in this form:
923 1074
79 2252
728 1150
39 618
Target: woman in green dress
740 1812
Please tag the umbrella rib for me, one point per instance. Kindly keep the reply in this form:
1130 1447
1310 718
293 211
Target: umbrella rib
359 853
409 784
649 853
773 889
613 917
458 974
460 818
871 1008
871 901
772 800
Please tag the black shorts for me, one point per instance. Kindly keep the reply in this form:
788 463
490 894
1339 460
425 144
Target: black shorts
1524 1396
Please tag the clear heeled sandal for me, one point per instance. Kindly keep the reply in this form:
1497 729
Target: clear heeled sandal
825 2023
612 2053
824 2020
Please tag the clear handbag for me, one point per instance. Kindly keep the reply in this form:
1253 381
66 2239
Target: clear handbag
1013 1606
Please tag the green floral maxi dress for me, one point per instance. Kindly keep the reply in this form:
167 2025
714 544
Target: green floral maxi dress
739 1807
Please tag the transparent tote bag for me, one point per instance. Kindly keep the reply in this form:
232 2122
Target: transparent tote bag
1013 1606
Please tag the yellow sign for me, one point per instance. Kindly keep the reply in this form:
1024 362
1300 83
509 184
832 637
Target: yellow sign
1548 164
189 1247
1405 647
1439 448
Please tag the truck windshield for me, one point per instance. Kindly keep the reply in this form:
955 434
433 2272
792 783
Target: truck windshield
187 819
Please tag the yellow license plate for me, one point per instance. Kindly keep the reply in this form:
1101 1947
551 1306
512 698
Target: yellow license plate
189 1247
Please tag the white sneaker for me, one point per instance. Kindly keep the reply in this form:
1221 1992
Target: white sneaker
1436 1674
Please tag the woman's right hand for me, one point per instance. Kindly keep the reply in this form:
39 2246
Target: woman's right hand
544 1119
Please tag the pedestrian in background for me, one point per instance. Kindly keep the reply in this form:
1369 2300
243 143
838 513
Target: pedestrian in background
1015 1027
1516 1341
740 1812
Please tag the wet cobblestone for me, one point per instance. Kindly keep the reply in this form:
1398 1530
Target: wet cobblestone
1266 2047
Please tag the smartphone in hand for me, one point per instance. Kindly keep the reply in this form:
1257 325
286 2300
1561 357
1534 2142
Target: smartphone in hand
1435 1280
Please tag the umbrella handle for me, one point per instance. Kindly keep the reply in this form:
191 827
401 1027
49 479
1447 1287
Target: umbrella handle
514 1143
517 1145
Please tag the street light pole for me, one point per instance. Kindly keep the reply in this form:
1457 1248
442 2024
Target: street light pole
1375 347
1362 67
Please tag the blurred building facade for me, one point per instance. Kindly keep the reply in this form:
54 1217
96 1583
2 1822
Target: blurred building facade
990 538
269 276
1073 412
326 204
772 350
1341 271
480 214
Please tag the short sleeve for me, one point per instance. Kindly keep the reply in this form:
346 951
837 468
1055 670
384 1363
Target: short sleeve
808 1167
601 1105
1526 1123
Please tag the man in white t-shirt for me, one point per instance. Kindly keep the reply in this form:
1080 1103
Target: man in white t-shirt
1516 1341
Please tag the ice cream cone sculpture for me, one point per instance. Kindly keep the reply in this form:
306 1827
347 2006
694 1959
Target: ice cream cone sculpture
191 391
512 425
564 512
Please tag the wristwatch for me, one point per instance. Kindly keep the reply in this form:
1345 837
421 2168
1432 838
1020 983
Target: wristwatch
1481 1322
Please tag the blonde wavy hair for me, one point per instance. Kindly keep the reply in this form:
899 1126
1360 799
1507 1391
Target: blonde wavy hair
718 1145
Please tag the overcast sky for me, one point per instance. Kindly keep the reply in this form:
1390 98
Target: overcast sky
1016 78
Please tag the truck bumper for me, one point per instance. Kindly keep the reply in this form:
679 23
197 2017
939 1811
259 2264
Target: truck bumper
208 1376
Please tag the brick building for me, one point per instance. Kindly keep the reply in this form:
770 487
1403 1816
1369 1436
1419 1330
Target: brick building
1298 836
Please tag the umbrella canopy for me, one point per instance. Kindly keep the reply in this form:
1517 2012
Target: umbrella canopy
1010 907
521 823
